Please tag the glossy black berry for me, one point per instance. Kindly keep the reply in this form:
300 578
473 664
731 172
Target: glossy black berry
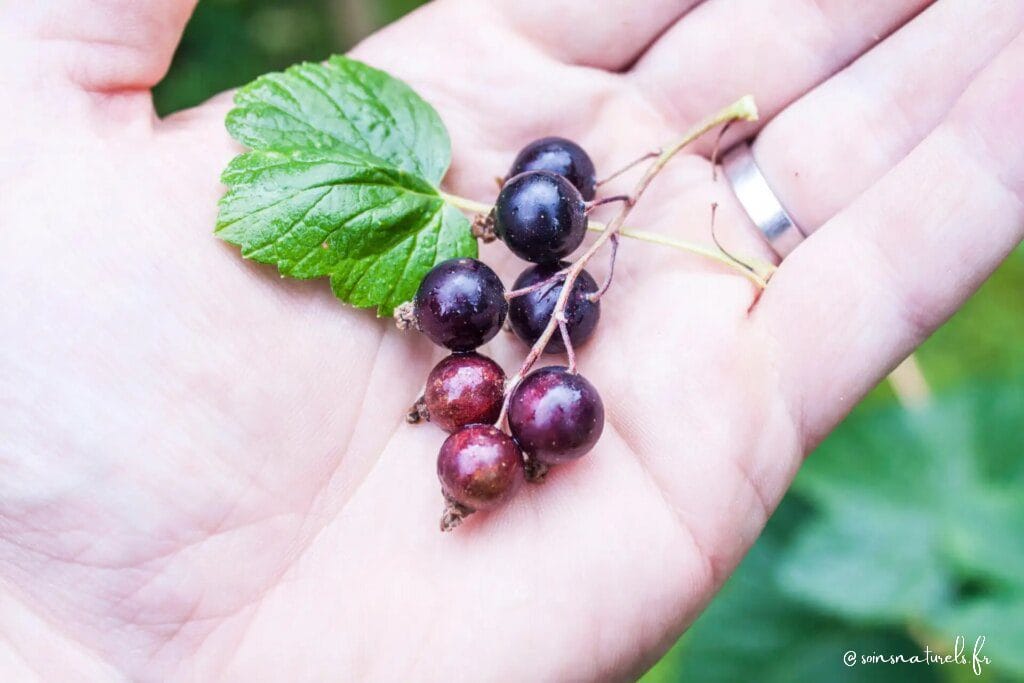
460 304
529 313
463 389
555 415
540 216
480 467
560 156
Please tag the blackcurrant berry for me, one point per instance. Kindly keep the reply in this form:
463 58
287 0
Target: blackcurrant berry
540 216
480 467
463 389
555 415
529 313
460 304
560 156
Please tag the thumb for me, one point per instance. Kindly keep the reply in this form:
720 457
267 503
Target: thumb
103 46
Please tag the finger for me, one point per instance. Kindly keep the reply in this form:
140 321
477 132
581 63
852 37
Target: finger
99 45
774 50
824 150
862 292
608 35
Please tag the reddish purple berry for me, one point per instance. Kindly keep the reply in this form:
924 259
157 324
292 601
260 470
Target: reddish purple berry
480 467
463 389
555 415
530 313
460 304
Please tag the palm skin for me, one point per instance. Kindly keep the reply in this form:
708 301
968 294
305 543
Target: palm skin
206 471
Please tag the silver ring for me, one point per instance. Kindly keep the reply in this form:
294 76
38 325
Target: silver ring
761 204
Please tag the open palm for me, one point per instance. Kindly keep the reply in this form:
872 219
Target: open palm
204 470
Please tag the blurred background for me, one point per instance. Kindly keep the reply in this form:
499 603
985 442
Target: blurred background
905 528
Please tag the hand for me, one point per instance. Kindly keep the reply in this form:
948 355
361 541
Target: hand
205 473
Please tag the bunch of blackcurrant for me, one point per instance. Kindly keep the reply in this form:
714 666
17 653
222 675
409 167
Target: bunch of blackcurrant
554 414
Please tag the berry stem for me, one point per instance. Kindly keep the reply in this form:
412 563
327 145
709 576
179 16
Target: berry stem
636 162
607 200
467 205
744 109
759 278
596 296
546 282
715 150
714 238
570 353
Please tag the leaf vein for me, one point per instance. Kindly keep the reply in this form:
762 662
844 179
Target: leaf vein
373 102
367 147
277 240
342 225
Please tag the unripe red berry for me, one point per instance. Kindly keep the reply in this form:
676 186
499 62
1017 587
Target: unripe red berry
480 467
464 389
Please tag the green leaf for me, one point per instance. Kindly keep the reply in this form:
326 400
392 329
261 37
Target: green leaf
341 182
919 517
342 102
999 618
887 559
983 340
752 631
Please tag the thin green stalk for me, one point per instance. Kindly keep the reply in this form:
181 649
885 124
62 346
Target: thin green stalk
759 278
466 204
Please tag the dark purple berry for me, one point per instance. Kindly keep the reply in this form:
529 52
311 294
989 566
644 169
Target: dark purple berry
560 156
529 313
463 389
460 304
480 467
540 216
555 415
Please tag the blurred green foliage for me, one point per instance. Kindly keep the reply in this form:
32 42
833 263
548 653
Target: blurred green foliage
230 42
904 529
